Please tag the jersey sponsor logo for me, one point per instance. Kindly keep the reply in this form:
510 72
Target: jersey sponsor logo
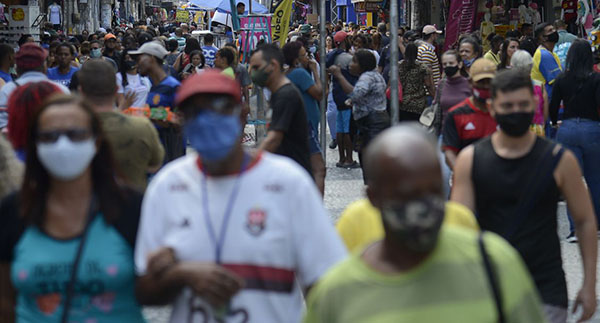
256 223
202 312
156 99
470 126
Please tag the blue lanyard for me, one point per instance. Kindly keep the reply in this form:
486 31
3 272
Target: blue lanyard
220 241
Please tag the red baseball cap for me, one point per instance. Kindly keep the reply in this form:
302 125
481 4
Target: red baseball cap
31 55
340 36
211 81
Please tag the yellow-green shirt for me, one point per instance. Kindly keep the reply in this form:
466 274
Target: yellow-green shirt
360 223
492 57
229 72
450 286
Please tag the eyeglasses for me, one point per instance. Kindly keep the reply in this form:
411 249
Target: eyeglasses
76 135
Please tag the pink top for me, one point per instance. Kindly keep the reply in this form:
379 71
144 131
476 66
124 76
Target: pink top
538 118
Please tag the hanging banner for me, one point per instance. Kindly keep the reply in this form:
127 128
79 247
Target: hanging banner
259 30
461 20
280 24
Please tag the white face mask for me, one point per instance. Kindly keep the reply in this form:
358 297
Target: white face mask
65 159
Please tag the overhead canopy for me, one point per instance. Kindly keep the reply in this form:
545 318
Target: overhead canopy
225 6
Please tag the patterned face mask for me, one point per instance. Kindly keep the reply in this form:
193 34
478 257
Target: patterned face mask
415 224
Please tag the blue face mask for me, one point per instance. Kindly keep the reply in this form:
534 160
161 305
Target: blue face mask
213 135
469 62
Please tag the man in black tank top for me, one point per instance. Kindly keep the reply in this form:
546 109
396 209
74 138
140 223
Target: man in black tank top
512 181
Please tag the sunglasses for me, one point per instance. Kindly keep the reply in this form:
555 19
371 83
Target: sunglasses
75 135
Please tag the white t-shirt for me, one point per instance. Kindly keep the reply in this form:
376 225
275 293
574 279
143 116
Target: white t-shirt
135 83
279 237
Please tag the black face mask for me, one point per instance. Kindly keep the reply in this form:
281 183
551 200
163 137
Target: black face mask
129 65
553 37
515 124
451 70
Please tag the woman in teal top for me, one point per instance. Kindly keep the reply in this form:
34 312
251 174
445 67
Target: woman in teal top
70 199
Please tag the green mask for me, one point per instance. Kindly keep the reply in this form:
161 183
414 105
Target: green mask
260 76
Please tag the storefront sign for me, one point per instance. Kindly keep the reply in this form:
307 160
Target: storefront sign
461 20
365 6
182 16
18 14
280 24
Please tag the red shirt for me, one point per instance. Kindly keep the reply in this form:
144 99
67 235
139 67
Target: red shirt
465 124
570 10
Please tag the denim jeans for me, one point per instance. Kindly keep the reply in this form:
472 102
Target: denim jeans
582 137
331 115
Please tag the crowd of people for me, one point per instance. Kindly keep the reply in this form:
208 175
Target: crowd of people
125 181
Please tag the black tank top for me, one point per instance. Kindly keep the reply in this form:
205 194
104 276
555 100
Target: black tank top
502 186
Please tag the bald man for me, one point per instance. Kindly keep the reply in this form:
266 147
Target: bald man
421 271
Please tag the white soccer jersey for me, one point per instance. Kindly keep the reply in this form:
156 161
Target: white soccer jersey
279 237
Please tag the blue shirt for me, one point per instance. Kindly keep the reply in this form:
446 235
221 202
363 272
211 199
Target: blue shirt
6 77
209 55
64 79
105 285
163 94
303 81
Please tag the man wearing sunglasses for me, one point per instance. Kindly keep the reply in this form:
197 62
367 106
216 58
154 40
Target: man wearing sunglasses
228 234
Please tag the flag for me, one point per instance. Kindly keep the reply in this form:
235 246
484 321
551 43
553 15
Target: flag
280 23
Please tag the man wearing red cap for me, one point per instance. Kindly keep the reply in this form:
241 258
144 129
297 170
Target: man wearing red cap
227 233
31 67
342 58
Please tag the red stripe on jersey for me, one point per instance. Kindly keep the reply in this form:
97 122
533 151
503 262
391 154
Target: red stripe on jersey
264 278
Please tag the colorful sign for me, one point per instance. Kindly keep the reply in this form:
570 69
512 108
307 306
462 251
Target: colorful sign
260 28
182 16
280 24
18 14
461 20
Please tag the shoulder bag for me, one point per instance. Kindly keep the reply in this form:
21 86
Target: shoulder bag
429 115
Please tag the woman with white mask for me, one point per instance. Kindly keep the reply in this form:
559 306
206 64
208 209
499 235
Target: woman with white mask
68 235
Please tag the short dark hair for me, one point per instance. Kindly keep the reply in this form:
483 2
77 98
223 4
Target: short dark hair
5 51
172 44
539 30
97 79
23 39
228 54
366 60
67 45
271 52
474 43
526 25
511 80
209 38
291 52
